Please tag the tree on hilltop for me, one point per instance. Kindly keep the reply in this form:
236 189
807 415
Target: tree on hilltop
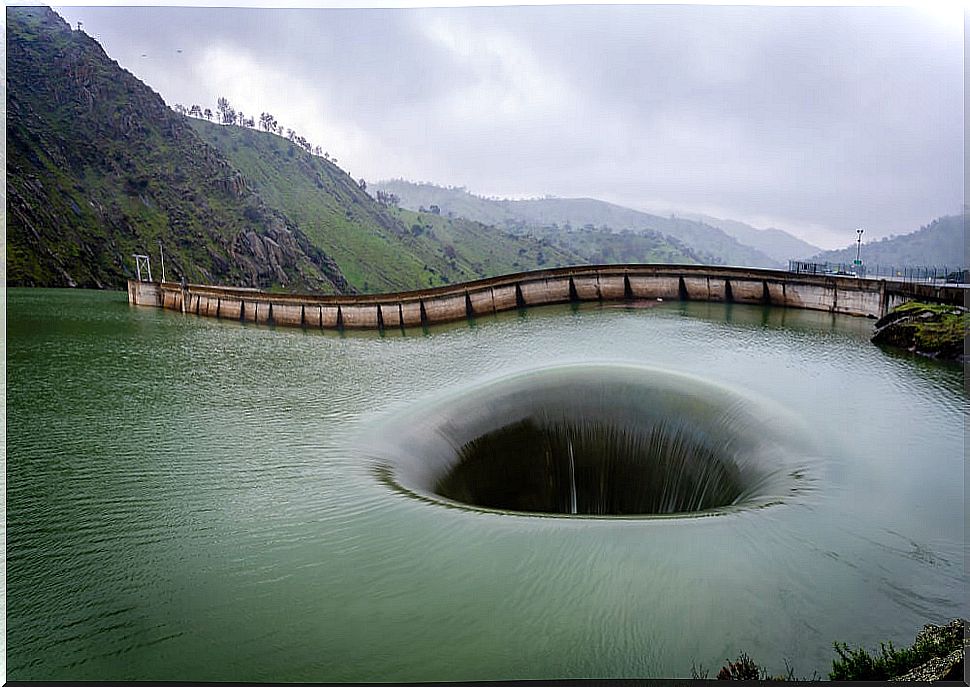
267 122
387 199
227 112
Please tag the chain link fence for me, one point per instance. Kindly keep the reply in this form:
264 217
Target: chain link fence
933 274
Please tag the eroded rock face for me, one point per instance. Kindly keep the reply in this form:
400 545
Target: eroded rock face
948 667
930 329
99 168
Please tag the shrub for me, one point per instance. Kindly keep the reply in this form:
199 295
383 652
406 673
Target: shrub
742 669
859 664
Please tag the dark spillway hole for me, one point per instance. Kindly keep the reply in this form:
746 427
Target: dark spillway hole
593 440
587 468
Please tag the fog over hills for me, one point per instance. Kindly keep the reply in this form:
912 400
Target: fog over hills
712 244
814 120
775 243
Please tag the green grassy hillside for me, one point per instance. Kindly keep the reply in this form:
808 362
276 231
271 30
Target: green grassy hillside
378 248
100 168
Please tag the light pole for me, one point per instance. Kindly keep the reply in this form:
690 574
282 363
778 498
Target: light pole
163 258
858 250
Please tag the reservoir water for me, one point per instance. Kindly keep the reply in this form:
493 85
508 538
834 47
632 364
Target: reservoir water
194 499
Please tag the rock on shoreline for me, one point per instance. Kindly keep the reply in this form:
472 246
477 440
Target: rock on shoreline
930 329
948 667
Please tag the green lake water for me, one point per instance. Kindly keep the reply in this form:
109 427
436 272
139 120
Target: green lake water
194 499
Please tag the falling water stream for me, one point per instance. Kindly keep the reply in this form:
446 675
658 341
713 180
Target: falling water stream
562 492
572 481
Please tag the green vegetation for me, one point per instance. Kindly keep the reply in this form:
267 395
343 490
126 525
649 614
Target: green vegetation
859 664
744 668
927 328
324 202
709 244
933 646
100 168
602 246
947 327
378 247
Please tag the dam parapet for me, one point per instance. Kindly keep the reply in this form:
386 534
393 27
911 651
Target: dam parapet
589 283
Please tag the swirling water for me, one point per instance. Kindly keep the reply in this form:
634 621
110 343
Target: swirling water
188 499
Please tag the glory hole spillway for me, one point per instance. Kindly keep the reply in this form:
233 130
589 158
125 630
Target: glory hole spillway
484 489
596 440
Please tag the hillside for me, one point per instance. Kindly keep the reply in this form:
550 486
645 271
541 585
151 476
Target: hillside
100 168
604 246
378 248
775 243
941 242
710 244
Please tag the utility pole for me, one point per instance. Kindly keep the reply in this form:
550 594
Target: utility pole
163 258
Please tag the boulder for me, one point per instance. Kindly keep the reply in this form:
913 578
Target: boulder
945 667
930 329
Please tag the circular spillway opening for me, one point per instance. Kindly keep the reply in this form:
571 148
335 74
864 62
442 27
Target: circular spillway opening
595 441
582 467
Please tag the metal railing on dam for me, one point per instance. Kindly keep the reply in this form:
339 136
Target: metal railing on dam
836 294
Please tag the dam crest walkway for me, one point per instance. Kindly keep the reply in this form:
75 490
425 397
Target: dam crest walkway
630 282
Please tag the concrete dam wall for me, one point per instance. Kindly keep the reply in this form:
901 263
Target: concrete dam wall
844 295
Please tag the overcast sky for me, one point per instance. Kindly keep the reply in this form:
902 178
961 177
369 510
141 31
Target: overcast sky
818 120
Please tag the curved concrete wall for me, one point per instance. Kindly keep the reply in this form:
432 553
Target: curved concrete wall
845 295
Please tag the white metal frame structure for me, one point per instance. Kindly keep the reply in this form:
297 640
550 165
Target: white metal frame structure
143 261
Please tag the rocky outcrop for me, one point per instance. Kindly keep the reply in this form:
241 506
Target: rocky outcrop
99 168
946 666
930 329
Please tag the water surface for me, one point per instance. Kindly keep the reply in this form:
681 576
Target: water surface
189 499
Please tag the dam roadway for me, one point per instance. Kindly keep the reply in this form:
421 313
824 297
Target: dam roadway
831 293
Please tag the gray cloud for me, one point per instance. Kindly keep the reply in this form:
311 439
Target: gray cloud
818 120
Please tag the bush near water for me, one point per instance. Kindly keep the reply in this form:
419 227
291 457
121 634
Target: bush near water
936 654
931 329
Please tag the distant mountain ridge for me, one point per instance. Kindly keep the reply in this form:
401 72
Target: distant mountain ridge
709 243
775 243
942 242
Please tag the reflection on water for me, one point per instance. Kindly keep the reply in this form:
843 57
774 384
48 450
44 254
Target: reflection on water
192 499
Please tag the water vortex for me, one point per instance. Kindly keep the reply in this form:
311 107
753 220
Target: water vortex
595 441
